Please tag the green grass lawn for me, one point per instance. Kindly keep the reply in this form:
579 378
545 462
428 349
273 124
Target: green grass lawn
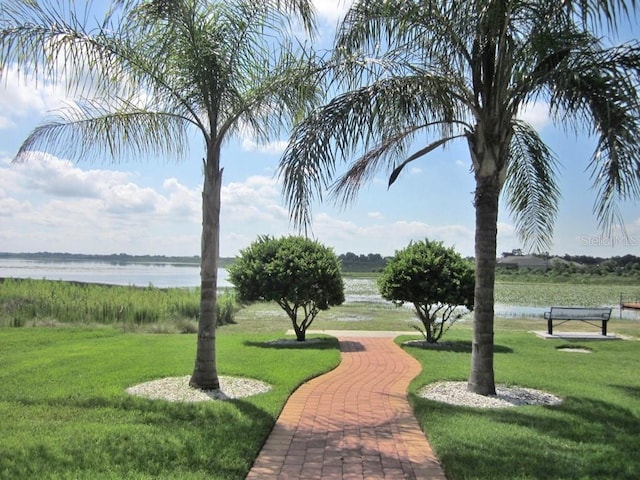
64 412
593 434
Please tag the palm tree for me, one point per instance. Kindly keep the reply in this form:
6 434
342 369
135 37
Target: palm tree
152 73
463 70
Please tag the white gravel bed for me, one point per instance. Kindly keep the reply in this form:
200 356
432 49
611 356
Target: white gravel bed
456 393
177 389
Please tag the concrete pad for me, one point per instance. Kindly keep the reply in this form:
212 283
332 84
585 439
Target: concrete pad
577 336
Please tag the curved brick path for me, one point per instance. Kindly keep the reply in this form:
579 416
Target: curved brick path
353 422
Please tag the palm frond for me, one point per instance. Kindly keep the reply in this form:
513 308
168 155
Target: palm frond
601 13
382 38
530 188
288 92
92 131
380 118
56 45
598 89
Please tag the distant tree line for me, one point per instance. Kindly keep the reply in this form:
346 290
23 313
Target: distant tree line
351 262
625 261
116 258
373 262
582 267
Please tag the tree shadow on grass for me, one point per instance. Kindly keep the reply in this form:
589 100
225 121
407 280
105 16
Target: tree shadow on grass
631 391
581 438
455 346
325 343
132 437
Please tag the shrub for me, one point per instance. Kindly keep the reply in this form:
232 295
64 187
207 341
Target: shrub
297 273
435 279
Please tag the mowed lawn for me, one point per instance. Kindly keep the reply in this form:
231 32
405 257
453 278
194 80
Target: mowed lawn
593 434
64 412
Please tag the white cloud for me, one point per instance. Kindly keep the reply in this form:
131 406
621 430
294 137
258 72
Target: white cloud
331 11
131 198
272 148
22 97
375 215
5 122
47 174
386 238
182 201
257 199
10 207
536 114
51 204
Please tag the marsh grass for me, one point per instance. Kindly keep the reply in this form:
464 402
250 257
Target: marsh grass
543 294
64 412
28 302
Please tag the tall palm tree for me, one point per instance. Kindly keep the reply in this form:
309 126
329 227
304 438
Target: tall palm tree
154 72
462 70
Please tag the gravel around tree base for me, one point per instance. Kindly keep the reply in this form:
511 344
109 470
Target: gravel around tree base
177 389
456 393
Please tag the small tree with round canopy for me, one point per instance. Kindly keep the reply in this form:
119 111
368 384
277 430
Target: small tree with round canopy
295 272
435 279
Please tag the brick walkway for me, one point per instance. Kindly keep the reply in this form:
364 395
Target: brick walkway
353 422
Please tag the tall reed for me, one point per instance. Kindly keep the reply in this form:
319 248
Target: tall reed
25 301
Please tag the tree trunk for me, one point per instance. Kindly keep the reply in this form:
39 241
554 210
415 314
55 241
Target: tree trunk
205 375
300 331
481 378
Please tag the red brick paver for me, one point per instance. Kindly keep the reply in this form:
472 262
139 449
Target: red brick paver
352 423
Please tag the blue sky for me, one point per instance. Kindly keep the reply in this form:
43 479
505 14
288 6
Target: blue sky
150 207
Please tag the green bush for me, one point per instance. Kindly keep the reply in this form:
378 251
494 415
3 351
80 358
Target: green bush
435 279
297 273
226 308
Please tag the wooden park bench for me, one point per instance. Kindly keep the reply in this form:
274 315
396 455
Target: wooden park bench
587 315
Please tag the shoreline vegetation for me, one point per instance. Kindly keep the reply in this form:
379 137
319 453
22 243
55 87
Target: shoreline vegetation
33 302
41 302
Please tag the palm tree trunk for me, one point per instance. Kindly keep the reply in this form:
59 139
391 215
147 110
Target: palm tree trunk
481 378
205 375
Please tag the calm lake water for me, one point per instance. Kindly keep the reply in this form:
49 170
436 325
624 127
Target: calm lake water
138 274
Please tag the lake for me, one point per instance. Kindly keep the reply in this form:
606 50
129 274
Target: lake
161 275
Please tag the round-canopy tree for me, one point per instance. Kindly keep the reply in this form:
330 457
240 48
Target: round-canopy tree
435 279
295 272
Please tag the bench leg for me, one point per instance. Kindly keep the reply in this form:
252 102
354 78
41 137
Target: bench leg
604 328
549 327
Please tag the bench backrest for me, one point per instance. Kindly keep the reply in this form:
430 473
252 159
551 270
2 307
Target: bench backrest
581 313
